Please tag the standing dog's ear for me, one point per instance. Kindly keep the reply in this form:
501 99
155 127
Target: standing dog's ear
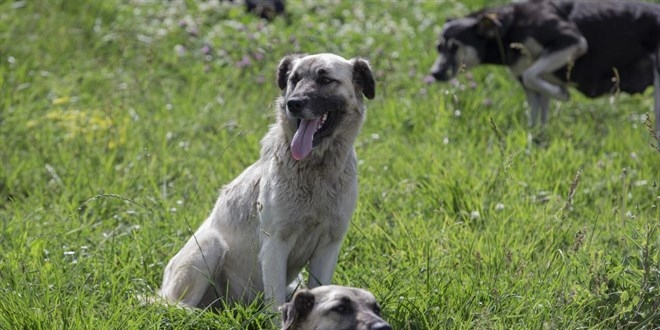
488 25
363 78
284 69
297 310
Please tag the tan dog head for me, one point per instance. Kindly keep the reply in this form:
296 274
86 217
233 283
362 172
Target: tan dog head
333 307
322 99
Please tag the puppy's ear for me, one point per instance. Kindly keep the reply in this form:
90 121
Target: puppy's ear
488 25
288 315
284 69
363 78
297 310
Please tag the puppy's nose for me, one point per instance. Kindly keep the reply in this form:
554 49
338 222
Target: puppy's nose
295 105
380 326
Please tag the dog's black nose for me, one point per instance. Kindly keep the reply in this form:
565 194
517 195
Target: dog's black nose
380 326
295 105
441 75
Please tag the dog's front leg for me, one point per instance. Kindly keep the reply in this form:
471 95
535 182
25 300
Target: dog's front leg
532 77
273 256
322 265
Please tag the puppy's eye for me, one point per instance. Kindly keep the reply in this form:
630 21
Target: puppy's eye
294 79
342 309
376 309
325 81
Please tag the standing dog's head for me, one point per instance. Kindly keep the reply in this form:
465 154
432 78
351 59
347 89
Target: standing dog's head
465 42
333 307
322 99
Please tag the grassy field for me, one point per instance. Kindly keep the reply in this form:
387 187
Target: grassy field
119 122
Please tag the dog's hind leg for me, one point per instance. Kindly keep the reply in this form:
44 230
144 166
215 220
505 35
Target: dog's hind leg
192 271
532 77
537 102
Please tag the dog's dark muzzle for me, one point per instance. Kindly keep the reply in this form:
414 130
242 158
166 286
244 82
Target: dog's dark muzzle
444 67
443 75
296 105
312 106
443 72
313 118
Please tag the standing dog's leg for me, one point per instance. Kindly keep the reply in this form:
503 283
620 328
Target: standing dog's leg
656 93
537 102
532 78
191 271
297 284
545 109
322 265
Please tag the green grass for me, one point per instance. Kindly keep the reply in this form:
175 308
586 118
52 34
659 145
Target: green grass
117 131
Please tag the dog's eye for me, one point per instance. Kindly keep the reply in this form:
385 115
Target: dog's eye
441 45
376 309
342 309
325 81
294 79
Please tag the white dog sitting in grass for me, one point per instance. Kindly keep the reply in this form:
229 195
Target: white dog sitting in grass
290 208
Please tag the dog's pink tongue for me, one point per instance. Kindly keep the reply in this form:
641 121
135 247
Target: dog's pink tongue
301 145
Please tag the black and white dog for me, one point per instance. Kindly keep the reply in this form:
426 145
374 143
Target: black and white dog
599 47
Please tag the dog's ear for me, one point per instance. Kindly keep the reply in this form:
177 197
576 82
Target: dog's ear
363 78
284 69
488 25
288 315
297 310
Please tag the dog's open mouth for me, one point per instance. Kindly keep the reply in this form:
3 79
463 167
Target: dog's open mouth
310 133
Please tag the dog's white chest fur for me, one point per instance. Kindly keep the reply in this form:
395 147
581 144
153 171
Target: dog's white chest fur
311 212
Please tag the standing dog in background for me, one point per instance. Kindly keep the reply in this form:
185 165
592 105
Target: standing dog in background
599 46
267 9
291 207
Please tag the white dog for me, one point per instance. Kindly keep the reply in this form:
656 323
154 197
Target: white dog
291 207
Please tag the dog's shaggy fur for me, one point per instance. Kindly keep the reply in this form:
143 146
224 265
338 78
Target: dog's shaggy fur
599 47
333 307
291 207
